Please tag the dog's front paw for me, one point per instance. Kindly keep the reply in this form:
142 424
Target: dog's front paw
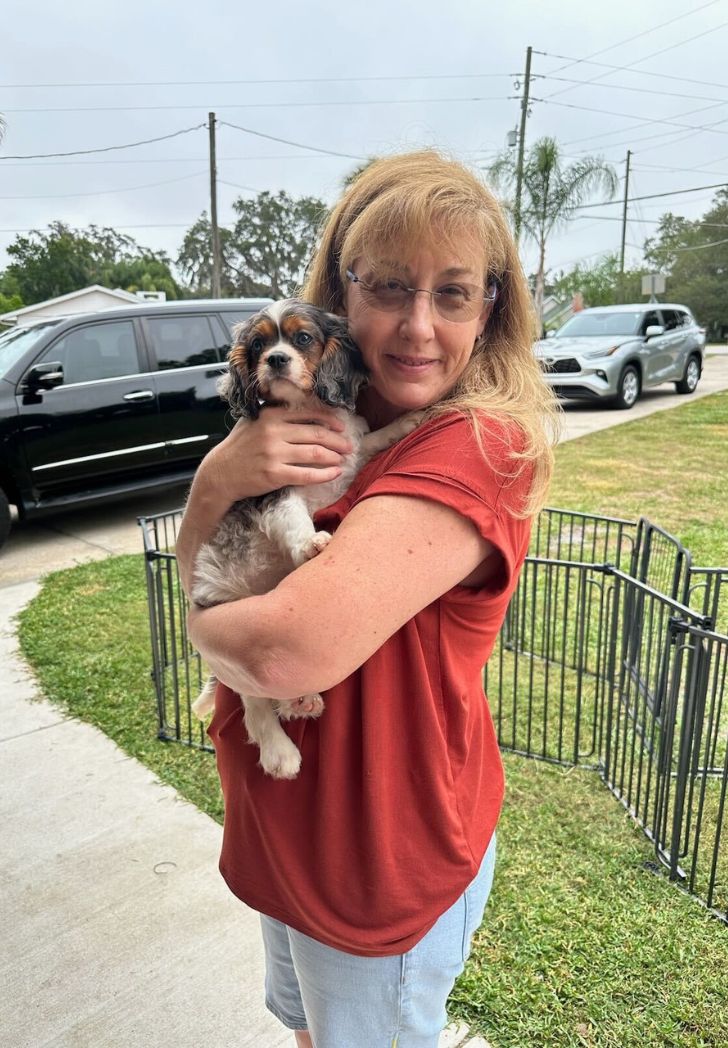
311 547
306 706
280 758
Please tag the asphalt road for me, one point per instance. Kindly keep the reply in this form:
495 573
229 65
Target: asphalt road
71 538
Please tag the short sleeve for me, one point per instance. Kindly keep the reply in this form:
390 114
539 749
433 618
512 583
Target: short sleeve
443 462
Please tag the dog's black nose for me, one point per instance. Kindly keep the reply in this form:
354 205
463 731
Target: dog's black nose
278 361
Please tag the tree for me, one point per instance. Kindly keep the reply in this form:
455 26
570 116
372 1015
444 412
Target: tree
266 251
60 260
601 284
693 256
195 261
551 193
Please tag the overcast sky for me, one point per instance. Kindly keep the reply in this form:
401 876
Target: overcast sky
354 78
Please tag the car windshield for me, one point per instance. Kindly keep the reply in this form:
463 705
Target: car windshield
594 324
15 341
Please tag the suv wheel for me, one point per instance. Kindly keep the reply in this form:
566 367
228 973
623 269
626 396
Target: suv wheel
4 517
689 382
628 388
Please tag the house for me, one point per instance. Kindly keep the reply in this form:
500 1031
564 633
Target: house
87 300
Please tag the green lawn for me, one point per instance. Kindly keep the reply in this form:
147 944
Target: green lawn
582 945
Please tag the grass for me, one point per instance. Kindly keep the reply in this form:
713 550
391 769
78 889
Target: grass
582 945
671 467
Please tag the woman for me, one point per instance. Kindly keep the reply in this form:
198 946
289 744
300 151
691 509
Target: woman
372 868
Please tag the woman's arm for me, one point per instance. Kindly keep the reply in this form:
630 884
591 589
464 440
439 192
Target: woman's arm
390 557
279 448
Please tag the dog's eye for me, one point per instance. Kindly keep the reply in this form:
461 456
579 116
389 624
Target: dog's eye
303 339
257 345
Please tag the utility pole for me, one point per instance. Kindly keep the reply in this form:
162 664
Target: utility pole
521 144
624 226
215 289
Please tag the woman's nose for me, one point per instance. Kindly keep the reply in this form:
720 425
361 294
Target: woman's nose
418 318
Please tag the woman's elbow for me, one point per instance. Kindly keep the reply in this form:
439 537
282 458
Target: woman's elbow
285 673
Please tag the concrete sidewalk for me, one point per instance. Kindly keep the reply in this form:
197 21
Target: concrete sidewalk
118 931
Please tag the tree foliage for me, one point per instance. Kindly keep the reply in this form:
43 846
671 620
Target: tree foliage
693 256
266 251
600 284
60 260
551 193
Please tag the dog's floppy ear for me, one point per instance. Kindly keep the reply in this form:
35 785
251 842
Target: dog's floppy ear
342 371
237 386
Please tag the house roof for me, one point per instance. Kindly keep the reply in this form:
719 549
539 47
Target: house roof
124 296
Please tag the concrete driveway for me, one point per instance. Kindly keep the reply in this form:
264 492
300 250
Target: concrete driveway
73 537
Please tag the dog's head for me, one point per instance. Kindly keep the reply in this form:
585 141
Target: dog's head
289 351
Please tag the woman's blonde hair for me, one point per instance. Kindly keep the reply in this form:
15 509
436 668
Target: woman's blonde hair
404 202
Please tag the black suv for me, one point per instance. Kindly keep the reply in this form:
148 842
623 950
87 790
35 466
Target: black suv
98 405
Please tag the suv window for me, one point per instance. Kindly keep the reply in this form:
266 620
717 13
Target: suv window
96 351
232 318
182 342
673 319
650 320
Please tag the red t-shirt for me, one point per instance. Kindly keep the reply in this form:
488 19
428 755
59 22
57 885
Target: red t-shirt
401 781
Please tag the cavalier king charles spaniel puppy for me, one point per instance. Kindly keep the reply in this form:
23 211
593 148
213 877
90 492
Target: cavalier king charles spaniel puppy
284 355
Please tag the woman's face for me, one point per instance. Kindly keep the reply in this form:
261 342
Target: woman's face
415 356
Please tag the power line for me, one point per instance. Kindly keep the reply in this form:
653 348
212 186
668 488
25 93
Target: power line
632 71
632 90
646 122
653 196
654 54
288 142
290 80
175 160
629 39
105 149
259 105
653 120
103 192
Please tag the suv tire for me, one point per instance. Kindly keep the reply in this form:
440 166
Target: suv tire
689 382
4 517
628 389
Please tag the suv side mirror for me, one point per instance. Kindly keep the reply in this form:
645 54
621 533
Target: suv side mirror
654 329
44 376
551 334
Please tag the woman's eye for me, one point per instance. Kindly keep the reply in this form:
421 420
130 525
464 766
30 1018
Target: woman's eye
454 292
303 339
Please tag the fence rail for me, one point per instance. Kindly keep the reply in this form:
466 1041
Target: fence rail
613 656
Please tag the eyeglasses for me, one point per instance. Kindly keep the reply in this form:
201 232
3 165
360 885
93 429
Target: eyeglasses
457 302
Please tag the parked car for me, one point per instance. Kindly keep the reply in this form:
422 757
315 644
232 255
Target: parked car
100 405
612 353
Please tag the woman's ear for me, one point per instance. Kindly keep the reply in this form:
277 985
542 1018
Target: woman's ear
341 372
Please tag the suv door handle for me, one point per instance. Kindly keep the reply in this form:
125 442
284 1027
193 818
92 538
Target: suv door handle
142 394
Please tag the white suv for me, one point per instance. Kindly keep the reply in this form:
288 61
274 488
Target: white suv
614 352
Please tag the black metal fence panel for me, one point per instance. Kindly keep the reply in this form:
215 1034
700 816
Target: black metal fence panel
613 655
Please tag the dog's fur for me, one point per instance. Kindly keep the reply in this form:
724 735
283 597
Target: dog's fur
283 355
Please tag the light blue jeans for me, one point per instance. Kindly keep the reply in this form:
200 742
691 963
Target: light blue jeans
346 1001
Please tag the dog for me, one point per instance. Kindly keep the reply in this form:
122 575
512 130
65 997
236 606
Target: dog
283 355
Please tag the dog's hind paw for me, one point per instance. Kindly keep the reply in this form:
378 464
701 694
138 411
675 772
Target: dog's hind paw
306 706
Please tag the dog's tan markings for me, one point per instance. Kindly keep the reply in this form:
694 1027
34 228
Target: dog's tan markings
237 358
292 324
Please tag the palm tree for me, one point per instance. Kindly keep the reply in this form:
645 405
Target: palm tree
551 193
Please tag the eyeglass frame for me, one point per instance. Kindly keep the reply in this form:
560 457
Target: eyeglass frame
412 291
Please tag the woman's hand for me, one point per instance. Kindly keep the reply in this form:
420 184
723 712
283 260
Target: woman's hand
282 447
